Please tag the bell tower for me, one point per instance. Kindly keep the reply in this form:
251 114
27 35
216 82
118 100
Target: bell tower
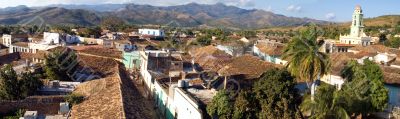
357 26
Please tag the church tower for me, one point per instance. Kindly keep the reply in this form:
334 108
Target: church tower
357 26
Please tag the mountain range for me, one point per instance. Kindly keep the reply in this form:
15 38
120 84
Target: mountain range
189 15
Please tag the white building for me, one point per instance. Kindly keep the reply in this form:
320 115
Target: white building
6 40
70 39
332 79
384 58
50 41
51 38
173 100
152 32
357 35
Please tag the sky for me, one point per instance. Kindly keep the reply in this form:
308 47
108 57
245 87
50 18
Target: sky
331 10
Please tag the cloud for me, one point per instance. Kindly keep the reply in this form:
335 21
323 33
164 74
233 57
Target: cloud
294 8
330 16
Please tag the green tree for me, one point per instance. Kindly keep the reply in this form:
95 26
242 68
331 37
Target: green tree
327 104
382 38
364 88
304 57
248 33
29 84
378 92
276 94
393 42
9 85
13 87
51 68
204 40
88 32
74 98
60 63
244 106
220 106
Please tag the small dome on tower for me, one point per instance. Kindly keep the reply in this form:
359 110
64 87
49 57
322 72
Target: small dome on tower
358 7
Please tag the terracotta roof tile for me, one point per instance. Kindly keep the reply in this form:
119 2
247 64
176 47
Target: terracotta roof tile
21 44
37 55
344 45
339 61
270 49
249 66
210 58
104 99
101 51
391 75
375 49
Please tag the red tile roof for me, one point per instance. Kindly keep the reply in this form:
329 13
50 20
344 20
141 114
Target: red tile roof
21 44
339 61
249 66
210 58
270 49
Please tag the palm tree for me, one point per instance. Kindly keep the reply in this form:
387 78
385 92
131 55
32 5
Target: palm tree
327 104
304 58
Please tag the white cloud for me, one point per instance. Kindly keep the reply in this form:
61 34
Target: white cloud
294 8
330 16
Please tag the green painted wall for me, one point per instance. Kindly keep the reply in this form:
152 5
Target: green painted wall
131 59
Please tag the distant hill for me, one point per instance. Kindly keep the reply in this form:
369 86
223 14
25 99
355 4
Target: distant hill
99 8
189 15
390 20
51 15
14 10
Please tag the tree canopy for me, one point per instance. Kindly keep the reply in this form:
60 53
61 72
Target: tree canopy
276 95
221 105
362 93
327 104
9 88
273 96
304 57
369 76
13 87
60 63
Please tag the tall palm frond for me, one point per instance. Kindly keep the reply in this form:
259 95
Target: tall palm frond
304 57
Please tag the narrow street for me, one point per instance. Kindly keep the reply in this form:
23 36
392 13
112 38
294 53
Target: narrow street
135 104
